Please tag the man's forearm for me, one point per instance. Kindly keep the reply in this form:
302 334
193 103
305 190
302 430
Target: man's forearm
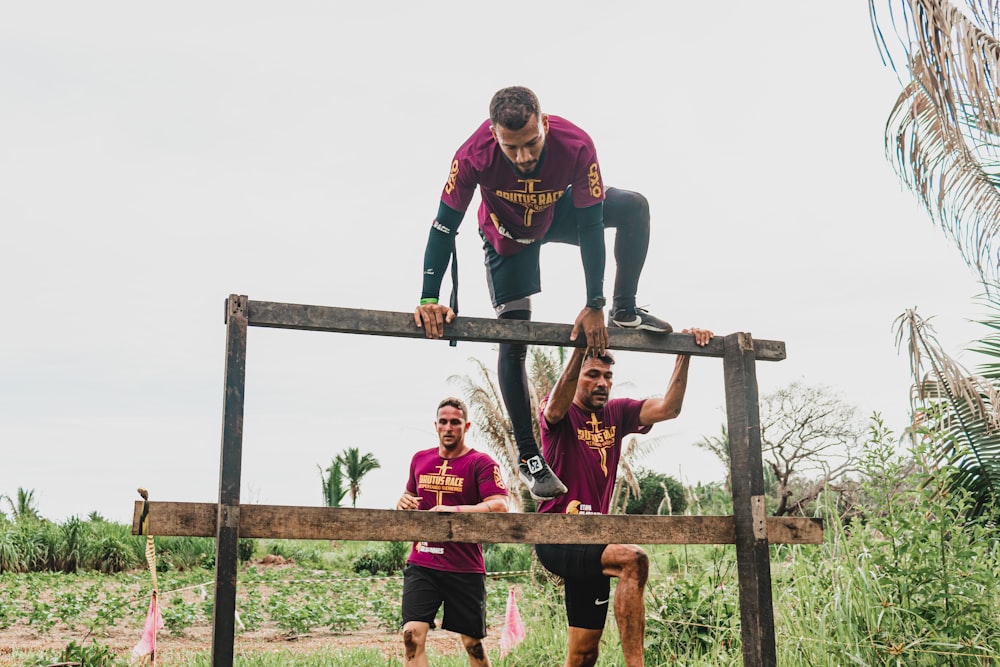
590 229
440 244
561 396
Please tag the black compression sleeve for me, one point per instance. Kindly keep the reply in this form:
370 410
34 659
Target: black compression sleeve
440 243
590 227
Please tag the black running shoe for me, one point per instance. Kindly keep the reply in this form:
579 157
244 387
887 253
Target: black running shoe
542 483
639 319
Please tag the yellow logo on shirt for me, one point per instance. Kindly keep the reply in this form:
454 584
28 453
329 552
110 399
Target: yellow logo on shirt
440 483
498 479
533 201
598 439
449 186
594 181
576 507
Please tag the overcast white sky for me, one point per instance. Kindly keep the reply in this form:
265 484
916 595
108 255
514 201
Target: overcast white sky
155 158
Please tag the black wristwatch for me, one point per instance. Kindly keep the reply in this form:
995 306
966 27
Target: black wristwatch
596 302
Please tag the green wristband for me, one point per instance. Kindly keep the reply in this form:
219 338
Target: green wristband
427 300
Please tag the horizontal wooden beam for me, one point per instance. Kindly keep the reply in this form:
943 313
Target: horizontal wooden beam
338 523
483 330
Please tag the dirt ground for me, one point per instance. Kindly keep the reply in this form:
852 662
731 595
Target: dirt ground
22 638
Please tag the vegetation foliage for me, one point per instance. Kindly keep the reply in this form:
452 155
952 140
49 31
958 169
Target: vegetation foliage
908 579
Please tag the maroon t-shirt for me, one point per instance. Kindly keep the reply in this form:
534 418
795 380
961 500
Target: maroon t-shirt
465 480
583 450
517 210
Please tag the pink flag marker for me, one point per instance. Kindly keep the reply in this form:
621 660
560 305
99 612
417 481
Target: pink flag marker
154 622
513 628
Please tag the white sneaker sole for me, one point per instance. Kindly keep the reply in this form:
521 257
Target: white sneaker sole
637 325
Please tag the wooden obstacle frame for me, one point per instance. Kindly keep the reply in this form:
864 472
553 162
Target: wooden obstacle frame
749 528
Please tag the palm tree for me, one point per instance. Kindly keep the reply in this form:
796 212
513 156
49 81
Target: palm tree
24 507
355 467
943 134
333 484
961 406
943 138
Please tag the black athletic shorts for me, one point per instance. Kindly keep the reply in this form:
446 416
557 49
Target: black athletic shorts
463 595
588 590
518 276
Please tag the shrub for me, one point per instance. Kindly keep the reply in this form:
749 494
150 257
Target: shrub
507 557
650 500
388 557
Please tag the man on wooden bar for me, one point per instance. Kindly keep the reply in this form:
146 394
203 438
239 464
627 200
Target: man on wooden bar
540 182
582 433
451 477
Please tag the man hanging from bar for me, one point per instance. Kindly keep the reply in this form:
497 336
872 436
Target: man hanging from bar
540 182
582 433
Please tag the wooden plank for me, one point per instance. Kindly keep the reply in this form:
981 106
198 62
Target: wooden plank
227 523
340 523
753 562
484 330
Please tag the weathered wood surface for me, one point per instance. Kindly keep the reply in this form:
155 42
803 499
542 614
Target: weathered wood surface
230 467
476 329
338 523
753 532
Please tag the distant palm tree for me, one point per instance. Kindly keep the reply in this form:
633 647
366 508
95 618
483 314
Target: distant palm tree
943 134
333 484
355 467
24 507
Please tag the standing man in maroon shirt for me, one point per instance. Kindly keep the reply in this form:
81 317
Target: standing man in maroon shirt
540 181
582 433
451 477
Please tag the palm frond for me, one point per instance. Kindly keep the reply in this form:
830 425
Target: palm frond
943 133
989 345
488 414
959 405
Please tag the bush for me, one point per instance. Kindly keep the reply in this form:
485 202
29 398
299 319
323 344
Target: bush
92 655
112 554
910 582
244 549
388 557
650 500
507 557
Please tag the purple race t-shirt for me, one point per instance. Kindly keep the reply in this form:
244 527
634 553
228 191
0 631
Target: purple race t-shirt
465 480
517 210
583 450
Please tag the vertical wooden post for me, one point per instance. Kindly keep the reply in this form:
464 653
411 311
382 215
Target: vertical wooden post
753 561
230 466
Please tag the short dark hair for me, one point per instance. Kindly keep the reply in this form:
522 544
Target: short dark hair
513 107
606 358
456 403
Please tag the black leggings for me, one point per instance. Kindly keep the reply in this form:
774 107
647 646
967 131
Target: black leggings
627 213
514 387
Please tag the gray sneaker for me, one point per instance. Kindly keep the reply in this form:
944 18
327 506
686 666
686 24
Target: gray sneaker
639 319
542 483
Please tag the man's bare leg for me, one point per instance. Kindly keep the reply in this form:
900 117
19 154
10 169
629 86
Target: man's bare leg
415 642
477 652
630 565
584 645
